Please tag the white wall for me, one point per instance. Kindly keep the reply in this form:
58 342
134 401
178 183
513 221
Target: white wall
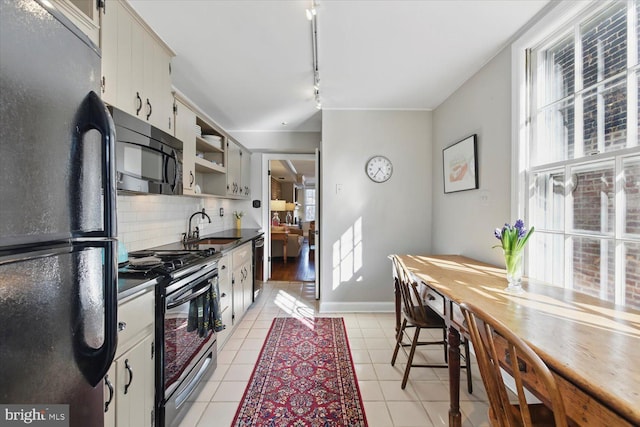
365 222
463 222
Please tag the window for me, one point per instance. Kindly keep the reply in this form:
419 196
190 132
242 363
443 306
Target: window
583 158
310 204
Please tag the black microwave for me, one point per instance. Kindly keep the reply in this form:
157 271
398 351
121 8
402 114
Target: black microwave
148 160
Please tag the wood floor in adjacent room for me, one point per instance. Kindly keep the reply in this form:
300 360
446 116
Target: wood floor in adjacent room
299 269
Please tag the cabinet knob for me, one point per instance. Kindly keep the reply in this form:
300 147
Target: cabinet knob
122 326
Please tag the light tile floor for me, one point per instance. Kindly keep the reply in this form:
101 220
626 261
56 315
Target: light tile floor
424 402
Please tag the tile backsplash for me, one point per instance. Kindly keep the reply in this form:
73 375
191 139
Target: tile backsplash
145 221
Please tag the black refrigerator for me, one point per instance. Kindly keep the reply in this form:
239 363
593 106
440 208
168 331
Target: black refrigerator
58 265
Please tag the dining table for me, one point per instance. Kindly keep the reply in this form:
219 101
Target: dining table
592 346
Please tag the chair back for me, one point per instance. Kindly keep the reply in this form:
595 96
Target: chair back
488 335
412 305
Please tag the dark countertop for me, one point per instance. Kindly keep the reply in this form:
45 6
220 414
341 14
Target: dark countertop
128 286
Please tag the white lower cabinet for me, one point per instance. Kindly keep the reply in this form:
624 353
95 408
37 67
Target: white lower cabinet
129 385
235 279
242 280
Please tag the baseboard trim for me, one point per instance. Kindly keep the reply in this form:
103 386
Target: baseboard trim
357 307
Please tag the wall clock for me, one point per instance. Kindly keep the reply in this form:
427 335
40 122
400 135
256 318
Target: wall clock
379 168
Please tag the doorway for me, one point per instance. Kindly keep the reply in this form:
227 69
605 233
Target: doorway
290 178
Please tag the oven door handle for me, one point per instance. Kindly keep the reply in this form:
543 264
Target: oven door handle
179 301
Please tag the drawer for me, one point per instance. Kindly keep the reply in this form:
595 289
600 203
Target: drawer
224 269
225 296
458 318
242 254
434 300
135 315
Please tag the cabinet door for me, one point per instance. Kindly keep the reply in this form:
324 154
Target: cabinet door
185 131
137 95
126 52
233 168
109 47
135 385
245 171
162 97
247 286
238 294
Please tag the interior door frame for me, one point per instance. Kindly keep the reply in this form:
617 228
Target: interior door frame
266 197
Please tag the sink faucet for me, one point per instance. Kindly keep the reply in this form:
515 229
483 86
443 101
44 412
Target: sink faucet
196 233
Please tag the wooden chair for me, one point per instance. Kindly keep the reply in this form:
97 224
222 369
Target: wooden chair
491 339
415 314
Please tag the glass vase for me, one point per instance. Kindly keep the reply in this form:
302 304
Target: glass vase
513 262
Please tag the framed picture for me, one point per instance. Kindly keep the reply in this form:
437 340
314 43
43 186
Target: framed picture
460 165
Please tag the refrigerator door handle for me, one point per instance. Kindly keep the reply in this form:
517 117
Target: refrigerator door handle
95 362
93 115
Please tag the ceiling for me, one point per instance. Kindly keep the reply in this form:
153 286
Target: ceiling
296 171
248 64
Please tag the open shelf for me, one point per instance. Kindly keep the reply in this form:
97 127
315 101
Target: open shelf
205 166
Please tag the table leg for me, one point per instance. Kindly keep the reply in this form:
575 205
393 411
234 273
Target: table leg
455 419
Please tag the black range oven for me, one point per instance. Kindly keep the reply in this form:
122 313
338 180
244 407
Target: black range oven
189 339
185 327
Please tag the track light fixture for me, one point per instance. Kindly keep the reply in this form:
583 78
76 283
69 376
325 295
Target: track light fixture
312 16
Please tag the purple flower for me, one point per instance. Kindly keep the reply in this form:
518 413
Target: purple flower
513 238
519 225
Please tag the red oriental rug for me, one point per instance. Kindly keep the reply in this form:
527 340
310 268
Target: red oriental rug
304 377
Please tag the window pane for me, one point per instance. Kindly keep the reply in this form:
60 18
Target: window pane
605 117
548 201
310 196
632 274
593 193
547 255
559 81
593 267
555 134
631 188
310 213
604 45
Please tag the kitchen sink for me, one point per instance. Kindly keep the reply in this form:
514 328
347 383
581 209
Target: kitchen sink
217 241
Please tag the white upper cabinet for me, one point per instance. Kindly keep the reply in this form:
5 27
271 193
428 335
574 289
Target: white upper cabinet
136 67
185 131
